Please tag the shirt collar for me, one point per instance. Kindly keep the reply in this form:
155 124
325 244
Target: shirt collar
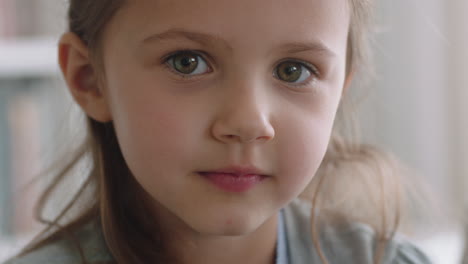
281 243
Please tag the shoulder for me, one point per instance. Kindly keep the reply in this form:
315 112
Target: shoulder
66 251
350 243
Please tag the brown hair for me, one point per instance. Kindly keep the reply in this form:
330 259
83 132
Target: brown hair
114 202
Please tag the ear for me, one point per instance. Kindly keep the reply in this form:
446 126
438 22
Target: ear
81 77
348 80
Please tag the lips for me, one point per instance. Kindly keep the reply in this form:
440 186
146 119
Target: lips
239 170
235 179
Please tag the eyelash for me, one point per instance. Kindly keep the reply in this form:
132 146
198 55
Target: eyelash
315 73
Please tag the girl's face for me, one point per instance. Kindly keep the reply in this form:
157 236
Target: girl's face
205 85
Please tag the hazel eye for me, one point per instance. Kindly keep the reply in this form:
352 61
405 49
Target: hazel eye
292 72
188 63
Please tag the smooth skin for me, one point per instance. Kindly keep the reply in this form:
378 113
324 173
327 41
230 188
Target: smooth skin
235 108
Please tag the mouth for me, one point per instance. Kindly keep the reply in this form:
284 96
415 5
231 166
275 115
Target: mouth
234 179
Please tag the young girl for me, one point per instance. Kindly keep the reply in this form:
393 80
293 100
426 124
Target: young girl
207 119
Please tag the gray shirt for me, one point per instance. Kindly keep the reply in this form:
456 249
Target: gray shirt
350 245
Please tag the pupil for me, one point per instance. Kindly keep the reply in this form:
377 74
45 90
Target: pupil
289 72
185 63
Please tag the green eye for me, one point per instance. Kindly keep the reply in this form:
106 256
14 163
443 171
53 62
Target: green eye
188 63
292 72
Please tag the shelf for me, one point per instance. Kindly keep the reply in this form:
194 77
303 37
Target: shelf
25 58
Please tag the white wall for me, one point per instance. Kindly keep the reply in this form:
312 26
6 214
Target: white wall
419 104
457 27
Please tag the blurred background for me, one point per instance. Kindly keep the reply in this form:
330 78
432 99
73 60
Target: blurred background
416 108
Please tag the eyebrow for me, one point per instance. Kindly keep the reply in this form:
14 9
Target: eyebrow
316 46
206 39
201 38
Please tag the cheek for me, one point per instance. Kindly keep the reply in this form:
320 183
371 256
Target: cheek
303 146
152 135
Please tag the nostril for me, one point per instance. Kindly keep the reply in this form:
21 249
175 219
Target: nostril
265 138
246 138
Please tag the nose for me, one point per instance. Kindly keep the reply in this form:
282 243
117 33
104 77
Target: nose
243 119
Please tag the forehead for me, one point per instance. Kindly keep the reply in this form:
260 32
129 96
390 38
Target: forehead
248 22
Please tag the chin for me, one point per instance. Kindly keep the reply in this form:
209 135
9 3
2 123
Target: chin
228 225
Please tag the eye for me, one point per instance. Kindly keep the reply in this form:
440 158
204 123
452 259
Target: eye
293 72
188 63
